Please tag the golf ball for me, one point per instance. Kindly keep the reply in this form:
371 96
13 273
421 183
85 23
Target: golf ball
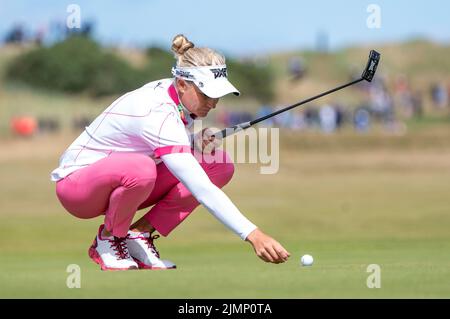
307 260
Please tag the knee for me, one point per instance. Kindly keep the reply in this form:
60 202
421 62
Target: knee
228 170
224 169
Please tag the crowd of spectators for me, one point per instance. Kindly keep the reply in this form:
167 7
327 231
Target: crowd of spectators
50 33
385 106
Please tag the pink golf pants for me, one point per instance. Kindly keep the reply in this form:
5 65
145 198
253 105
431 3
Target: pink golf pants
120 184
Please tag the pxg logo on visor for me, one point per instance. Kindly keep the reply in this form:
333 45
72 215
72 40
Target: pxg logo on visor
212 80
218 73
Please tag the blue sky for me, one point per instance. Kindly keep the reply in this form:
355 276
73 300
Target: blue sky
241 27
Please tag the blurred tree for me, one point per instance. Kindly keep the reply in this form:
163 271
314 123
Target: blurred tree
75 65
160 63
78 64
251 79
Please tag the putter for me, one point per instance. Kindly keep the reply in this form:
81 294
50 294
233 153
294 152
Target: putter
368 74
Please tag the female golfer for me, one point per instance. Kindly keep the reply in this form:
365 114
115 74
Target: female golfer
138 154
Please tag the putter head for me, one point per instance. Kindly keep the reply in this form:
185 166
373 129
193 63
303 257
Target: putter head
369 72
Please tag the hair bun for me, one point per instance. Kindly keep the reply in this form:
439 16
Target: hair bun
180 44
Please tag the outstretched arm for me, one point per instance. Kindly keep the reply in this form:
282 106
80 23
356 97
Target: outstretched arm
188 171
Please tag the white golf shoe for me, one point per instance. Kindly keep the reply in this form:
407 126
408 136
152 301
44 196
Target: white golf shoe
111 253
143 251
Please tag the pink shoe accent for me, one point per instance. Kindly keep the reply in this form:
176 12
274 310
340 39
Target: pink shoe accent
99 234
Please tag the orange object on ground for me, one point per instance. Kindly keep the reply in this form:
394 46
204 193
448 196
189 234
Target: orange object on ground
24 125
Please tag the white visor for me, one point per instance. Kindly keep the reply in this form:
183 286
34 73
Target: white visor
211 80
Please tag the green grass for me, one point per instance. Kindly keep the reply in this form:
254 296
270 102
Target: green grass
349 208
409 269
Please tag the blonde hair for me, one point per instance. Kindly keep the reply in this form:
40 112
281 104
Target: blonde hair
187 55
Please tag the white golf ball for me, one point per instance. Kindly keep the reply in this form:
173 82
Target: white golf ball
307 260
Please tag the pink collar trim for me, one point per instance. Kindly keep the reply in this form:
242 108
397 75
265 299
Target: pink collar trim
173 94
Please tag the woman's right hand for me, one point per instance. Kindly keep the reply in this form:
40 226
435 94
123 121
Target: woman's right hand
205 141
267 248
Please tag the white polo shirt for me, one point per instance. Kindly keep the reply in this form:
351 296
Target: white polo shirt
146 120
152 121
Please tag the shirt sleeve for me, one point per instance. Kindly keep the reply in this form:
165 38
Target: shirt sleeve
165 133
189 172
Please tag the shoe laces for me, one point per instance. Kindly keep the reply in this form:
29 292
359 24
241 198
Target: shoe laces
151 245
120 247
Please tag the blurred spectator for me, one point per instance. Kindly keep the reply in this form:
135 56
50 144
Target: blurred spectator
403 96
296 68
56 32
340 116
263 111
439 95
361 119
401 84
48 124
86 30
16 34
80 122
239 117
40 35
417 104
312 117
298 121
282 120
381 104
327 117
